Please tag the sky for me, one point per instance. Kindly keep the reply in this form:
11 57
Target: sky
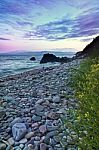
33 25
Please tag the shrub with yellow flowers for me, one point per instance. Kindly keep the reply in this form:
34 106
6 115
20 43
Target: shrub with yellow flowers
86 85
85 82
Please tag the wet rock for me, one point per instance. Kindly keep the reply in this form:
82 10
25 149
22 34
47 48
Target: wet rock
39 108
31 141
16 120
29 135
52 128
56 99
49 135
40 101
33 58
43 146
35 125
2 113
30 147
38 113
53 115
42 129
19 130
23 141
52 58
36 118
2 146
11 141
21 146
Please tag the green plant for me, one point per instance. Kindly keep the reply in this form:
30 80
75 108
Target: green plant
85 82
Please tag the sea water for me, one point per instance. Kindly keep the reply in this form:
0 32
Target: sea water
15 63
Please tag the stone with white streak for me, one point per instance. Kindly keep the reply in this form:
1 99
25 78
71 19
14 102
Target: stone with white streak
19 130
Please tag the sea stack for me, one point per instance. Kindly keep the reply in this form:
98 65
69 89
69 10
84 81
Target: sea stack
33 58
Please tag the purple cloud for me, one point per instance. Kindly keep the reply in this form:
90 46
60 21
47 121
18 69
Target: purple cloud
4 39
81 26
36 19
24 23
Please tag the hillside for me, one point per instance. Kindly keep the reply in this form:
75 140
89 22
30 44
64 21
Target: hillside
91 50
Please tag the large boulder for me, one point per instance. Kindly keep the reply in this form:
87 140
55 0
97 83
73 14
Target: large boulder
33 58
91 50
52 58
49 58
19 130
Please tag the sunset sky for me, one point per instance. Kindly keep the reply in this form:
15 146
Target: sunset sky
47 24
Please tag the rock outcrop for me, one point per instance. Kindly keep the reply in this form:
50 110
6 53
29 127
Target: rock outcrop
33 58
91 50
52 58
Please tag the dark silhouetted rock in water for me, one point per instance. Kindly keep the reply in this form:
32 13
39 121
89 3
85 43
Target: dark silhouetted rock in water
33 58
52 58
91 50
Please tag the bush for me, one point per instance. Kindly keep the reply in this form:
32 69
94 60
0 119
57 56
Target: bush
85 82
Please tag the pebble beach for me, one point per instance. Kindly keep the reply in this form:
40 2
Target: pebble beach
31 106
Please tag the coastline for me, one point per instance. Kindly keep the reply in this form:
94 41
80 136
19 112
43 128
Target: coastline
36 99
39 70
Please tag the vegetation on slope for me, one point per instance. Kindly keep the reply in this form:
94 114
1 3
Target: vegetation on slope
84 120
91 50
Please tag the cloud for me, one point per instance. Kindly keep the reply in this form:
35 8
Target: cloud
51 31
86 40
24 23
49 20
4 39
11 7
81 26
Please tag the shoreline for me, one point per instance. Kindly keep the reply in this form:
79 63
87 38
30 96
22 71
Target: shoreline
30 72
38 70
35 99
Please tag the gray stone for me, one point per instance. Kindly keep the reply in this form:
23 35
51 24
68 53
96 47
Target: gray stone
11 141
51 128
9 99
38 113
23 141
26 148
2 146
2 113
16 143
40 101
42 129
21 146
36 118
51 148
58 146
56 99
52 142
37 138
29 135
43 146
53 115
30 147
36 144
35 125
16 120
49 135
31 141
19 130
39 107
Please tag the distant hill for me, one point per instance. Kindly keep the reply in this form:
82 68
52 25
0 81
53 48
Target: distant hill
91 50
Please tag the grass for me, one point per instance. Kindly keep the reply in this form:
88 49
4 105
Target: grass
84 121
